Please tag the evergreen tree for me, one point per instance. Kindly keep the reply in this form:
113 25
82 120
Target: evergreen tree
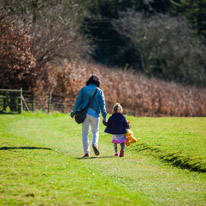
195 11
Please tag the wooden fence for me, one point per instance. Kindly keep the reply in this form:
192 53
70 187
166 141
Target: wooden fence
15 101
11 100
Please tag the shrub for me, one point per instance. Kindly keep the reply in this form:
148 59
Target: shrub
17 61
139 95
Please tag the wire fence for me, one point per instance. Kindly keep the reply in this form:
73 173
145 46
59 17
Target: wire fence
57 103
49 103
46 103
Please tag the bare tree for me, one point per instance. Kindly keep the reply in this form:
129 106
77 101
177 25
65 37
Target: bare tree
167 46
48 32
55 27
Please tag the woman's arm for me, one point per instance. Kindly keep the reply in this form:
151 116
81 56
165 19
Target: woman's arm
102 105
78 102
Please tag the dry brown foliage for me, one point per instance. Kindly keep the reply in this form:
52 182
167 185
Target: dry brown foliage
139 95
16 60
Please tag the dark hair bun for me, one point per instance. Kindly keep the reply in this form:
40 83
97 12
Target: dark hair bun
94 79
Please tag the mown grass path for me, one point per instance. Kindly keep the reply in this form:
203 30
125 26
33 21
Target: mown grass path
40 163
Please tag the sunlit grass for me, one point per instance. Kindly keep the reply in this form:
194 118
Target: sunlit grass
40 164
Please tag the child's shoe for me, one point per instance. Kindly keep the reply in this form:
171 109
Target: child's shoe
116 154
121 153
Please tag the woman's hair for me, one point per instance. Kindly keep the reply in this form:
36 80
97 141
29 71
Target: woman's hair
117 108
94 79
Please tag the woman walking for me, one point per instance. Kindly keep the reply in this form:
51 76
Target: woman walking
96 107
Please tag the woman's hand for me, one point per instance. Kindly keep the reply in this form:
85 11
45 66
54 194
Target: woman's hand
72 114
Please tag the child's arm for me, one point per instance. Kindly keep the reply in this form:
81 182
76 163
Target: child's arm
107 123
126 124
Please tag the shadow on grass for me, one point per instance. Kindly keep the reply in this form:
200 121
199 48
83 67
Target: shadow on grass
196 164
11 148
14 113
89 158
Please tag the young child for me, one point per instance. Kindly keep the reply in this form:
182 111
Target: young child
117 125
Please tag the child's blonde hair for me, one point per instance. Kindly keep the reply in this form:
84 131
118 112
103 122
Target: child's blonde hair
117 108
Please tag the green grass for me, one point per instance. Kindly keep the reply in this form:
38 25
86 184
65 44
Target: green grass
181 141
40 164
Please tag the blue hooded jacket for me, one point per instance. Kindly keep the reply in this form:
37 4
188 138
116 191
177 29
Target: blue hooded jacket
84 96
117 124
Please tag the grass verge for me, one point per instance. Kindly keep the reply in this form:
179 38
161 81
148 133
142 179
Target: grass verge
180 141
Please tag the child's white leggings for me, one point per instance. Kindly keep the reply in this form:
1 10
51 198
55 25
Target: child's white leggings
94 122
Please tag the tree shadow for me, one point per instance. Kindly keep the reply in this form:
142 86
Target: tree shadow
32 148
14 113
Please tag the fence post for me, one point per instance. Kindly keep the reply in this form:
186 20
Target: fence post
33 102
65 105
20 101
49 102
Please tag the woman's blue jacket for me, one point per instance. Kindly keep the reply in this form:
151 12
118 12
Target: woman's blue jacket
84 96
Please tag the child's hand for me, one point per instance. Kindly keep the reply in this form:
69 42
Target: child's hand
104 122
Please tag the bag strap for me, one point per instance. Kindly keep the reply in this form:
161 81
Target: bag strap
90 101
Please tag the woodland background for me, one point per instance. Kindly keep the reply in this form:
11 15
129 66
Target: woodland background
149 54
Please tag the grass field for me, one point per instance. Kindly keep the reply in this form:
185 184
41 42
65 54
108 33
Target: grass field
40 163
